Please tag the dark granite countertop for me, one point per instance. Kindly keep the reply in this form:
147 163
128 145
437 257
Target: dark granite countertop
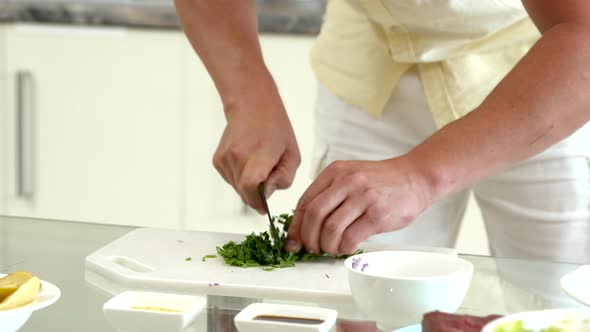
274 16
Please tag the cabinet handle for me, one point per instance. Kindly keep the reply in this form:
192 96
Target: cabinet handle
24 141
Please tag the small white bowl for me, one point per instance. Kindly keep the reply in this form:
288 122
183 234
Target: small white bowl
576 284
246 320
129 311
13 319
539 320
396 288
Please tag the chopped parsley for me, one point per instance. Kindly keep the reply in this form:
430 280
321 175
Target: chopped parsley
259 250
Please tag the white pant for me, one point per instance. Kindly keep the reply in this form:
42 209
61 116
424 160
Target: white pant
539 208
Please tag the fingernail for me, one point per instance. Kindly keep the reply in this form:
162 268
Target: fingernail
270 189
292 246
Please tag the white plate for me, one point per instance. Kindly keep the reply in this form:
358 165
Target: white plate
13 319
538 320
576 284
47 296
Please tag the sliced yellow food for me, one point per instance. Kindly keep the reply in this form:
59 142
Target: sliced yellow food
6 290
16 278
25 294
155 309
11 282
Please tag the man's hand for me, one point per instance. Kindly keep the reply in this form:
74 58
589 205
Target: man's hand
258 145
352 200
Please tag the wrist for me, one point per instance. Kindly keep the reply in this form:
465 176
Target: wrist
430 181
245 84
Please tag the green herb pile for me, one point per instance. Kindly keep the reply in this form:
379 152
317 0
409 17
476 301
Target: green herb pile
259 249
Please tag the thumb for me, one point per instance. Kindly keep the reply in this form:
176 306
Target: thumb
254 172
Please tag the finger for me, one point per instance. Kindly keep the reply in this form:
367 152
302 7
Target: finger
283 174
223 165
339 221
360 230
316 214
255 171
234 167
228 159
322 182
293 243
221 169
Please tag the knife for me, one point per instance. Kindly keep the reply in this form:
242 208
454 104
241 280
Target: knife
274 232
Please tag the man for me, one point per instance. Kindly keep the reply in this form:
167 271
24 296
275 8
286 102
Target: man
413 110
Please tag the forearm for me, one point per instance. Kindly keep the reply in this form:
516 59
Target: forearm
544 99
224 34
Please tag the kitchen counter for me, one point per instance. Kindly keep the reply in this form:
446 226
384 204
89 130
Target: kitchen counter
274 16
55 251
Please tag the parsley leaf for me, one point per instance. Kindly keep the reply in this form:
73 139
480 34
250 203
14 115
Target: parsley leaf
207 257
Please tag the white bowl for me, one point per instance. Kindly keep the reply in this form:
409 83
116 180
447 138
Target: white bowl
129 311
538 320
386 245
245 321
396 288
576 284
13 319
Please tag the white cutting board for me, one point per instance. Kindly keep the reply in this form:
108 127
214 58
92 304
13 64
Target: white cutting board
155 259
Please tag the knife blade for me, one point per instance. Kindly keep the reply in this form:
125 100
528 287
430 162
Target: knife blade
274 232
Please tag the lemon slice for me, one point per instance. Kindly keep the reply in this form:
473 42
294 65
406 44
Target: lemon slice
25 294
6 290
10 283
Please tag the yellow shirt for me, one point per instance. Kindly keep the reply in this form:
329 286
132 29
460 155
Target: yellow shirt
462 49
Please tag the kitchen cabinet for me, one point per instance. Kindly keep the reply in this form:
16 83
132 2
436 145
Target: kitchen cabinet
125 123
207 196
99 135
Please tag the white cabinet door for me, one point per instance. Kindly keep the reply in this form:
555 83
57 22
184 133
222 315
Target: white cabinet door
102 124
3 110
208 197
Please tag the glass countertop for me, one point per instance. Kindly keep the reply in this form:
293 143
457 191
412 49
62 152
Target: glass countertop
56 252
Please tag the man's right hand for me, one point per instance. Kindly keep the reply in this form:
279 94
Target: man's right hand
258 145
